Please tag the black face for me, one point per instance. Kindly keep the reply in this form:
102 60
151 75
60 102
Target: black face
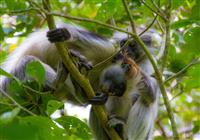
133 50
113 81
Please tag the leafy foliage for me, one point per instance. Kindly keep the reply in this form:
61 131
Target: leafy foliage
18 18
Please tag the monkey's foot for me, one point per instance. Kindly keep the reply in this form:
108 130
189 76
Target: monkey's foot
58 35
85 65
99 99
115 121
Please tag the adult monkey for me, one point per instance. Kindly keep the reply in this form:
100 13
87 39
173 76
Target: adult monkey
36 47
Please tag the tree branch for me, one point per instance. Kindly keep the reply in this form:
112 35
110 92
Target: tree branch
80 79
156 12
125 3
148 27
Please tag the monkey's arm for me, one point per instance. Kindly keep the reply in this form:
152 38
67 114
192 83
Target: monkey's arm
94 47
147 89
142 115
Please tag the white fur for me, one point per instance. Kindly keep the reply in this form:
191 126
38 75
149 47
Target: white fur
95 49
141 121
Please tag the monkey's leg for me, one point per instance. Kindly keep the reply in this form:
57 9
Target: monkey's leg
142 115
96 127
62 74
94 47
147 89
117 123
20 68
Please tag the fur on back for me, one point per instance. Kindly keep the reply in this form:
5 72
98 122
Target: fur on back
35 45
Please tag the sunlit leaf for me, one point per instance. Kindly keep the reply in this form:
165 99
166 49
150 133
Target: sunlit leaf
32 128
75 126
7 117
36 71
54 105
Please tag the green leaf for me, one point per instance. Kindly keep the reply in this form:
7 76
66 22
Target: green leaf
4 73
15 4
7 117
192 40
196 127
36 71
3 55
110 8
16 91
177 3
53 105
193 80
93 1
196 11
32 128
181 23
1 33
76 127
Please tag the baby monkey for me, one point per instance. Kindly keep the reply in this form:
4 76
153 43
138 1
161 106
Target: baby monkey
130 97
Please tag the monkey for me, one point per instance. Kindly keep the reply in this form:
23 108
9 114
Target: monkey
132 112
39 47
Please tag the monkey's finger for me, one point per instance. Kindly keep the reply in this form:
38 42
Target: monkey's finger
99 99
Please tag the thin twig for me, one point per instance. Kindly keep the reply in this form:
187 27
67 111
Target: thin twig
22 10
113 55
156 12
194 62
157 8
164 134
160 26
16 103
89 20
35 91
125 3
148 27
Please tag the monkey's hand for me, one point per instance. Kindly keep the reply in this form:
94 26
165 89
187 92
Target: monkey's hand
58 35
114 121
117 123
146 89
82 61
99 99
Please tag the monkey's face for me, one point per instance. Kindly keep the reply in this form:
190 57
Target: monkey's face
113 81
133 50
